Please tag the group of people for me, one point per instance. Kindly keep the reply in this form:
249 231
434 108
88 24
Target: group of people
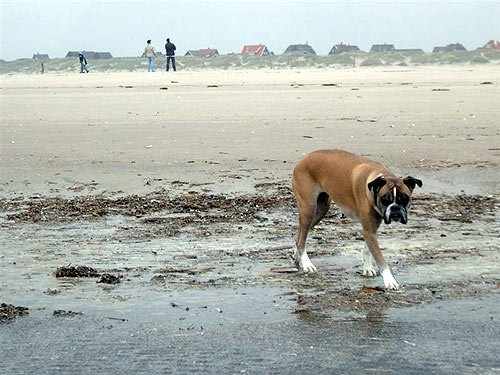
150 53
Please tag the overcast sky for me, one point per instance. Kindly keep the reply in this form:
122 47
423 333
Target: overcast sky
122 27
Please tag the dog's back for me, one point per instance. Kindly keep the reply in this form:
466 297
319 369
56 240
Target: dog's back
321 169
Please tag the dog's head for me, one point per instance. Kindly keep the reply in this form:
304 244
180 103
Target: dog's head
392 196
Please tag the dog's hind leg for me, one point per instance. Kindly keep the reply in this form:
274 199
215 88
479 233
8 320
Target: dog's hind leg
312 208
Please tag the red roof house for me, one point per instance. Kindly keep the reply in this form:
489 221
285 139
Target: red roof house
255 50
341 47
492 44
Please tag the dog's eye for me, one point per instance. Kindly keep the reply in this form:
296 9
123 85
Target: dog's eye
402 199
386 199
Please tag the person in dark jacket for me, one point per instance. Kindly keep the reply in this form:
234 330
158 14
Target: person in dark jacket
83 63
170 52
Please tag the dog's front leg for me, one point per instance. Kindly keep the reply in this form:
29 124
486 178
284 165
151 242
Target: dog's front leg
368 269
372 243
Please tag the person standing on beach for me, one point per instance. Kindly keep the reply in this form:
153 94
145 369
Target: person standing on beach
170 52
150 53
83 63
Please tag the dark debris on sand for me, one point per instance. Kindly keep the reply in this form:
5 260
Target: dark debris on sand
200 208
76 271
66 313
463 208
107 278
84 271
91 207
368 299
9 312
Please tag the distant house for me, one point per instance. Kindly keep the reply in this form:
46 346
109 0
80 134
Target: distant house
382 48
91 55
491 45
102 55
449 48
255 50
439 49
41 56
207 52
341 48
456 47
304 49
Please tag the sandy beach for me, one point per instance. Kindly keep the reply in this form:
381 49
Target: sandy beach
178 184
109 128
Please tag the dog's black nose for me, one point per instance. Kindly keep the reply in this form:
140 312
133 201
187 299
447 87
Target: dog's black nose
398 216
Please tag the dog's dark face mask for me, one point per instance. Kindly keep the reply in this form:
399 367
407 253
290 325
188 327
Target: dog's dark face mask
392 197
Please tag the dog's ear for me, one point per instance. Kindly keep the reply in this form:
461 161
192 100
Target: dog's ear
411 182
377 184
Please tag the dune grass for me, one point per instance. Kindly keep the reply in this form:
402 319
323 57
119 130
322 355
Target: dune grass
287 61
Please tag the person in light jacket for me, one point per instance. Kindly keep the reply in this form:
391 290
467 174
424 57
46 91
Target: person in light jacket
150 53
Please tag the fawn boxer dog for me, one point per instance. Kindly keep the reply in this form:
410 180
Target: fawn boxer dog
362 188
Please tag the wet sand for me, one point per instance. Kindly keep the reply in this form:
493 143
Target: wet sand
179 186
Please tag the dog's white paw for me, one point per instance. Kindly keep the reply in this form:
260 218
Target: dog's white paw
392 285
306 265
303 262
369 272
389 280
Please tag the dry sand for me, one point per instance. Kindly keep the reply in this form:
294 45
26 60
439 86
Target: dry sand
132 132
